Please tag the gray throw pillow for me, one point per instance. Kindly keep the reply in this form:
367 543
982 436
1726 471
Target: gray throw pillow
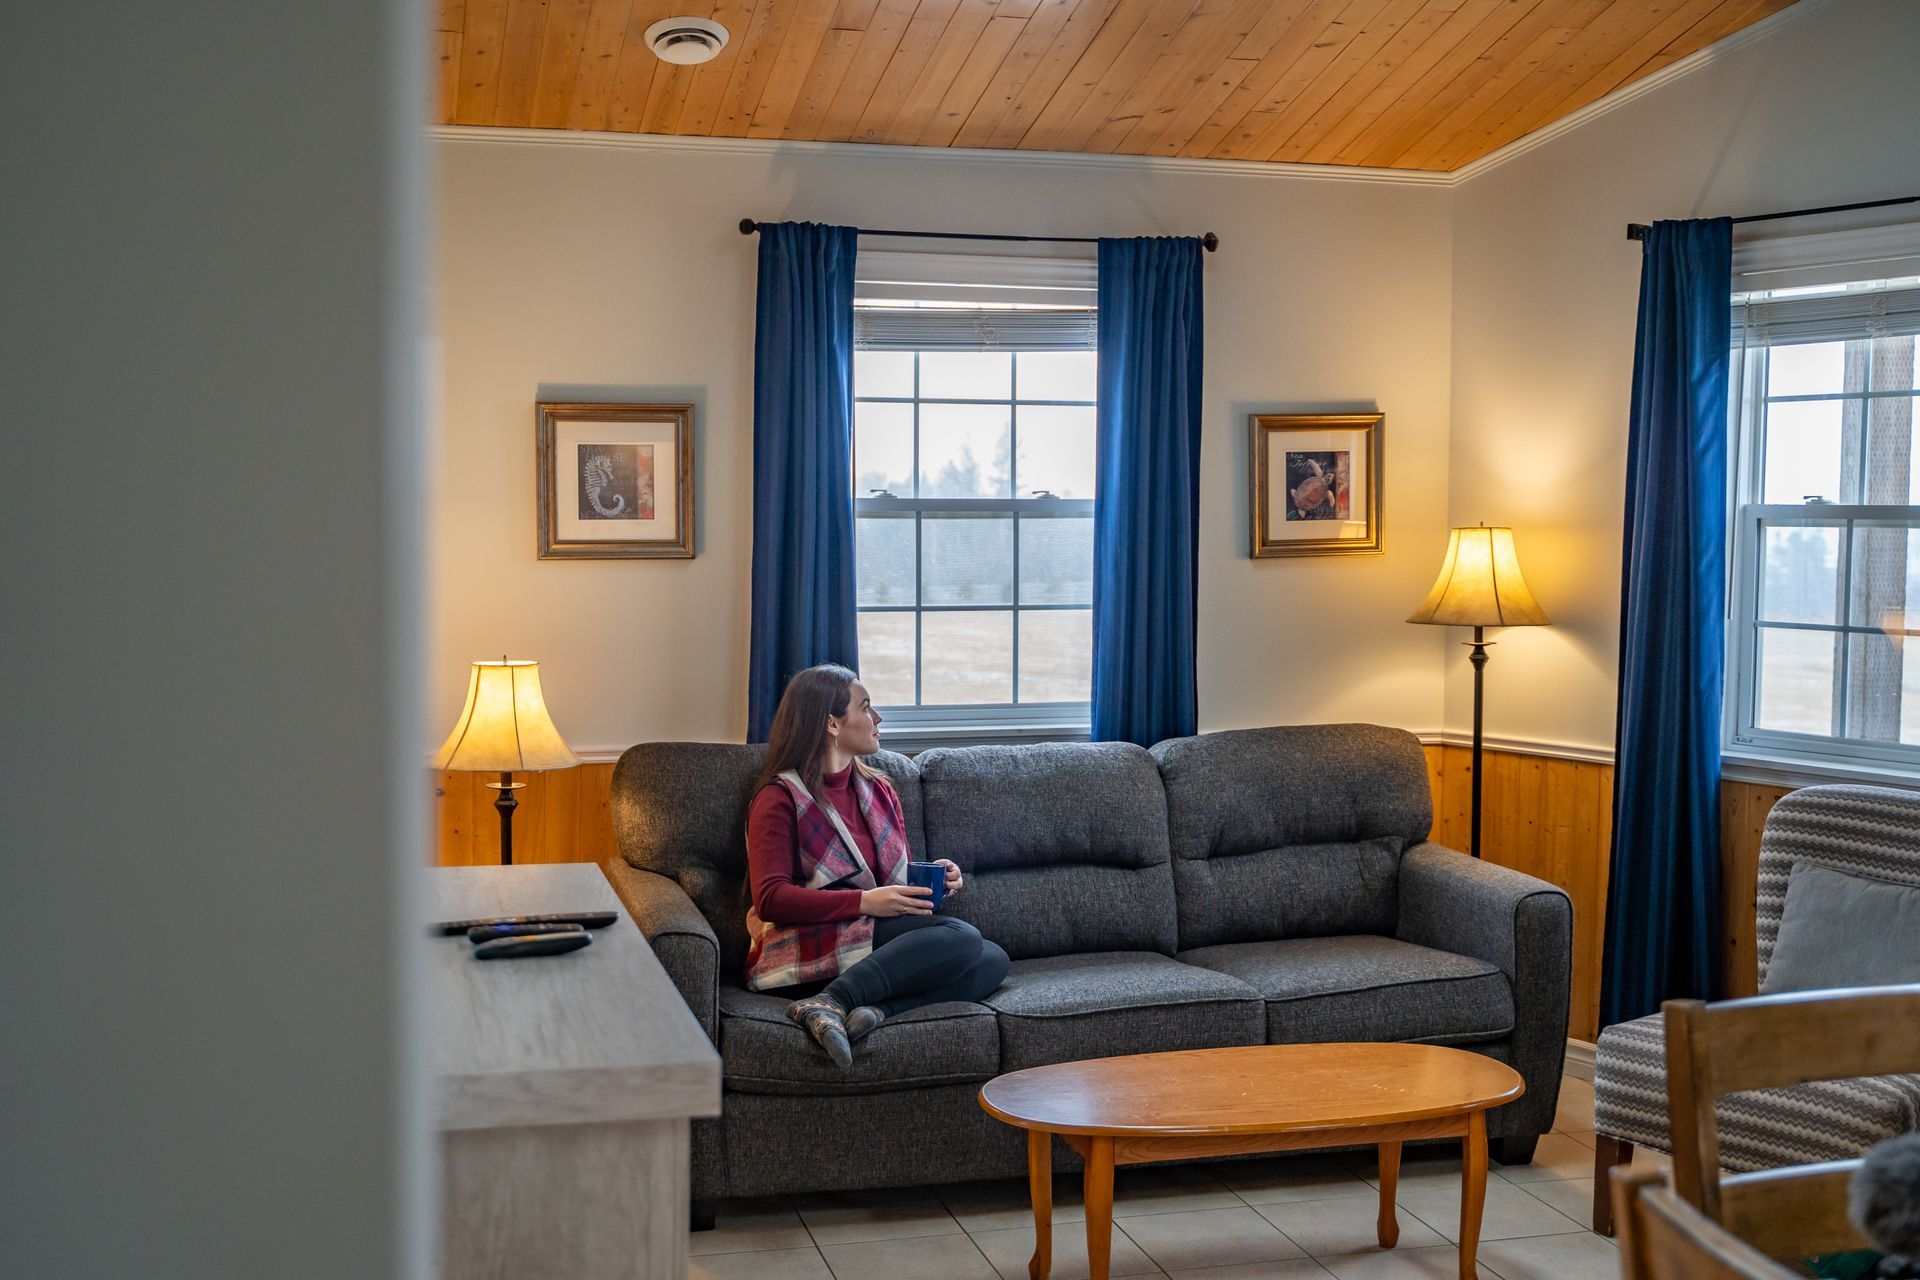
1838 930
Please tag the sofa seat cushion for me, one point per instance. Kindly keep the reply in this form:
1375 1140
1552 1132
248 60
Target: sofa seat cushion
1363 987
936 1044
1098 1004
1764 1129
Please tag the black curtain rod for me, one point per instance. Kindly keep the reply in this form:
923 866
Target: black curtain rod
1210 242
1638 230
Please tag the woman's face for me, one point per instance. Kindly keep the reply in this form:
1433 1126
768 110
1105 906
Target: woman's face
858 731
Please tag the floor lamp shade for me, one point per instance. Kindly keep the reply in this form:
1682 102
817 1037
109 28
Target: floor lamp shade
504 728
1480 586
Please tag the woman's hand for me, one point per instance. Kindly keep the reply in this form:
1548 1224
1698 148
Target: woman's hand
896 900
954 880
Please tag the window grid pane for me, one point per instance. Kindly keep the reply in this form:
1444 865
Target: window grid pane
956 620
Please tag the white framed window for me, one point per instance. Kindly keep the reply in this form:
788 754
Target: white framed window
1824 599
973 481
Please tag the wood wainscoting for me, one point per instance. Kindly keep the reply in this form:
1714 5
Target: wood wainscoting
1547 816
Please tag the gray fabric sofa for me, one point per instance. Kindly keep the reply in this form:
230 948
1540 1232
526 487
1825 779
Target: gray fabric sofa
1247 887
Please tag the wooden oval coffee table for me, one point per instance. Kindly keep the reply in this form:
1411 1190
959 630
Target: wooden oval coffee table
1218 1102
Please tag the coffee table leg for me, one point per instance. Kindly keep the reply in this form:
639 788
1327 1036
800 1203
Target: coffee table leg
1099 1198
1040 1185
1388 1226
1473 1191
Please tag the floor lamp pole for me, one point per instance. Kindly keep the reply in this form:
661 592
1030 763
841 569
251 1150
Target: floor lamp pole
1479 660
506 803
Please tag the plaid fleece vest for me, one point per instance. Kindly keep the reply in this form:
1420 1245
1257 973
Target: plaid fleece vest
784 955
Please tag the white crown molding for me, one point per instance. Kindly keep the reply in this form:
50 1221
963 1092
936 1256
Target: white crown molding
660 142
1646 84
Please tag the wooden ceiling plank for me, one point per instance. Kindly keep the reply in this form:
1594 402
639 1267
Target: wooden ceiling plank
1277 48
909 59
790 67
1630 60
1517 110
989 55
520 62
1055 38
1149 40
878 42
1486 63
451 16
560 49
916 110
1415 44
1201 102
1015 71
1397 33
700 91
446 81
823 81
605 42
1713 28
1187 67
1406 76
1426 153
634 70
480 41
759 51
1244 138
1411 106
1084 76
853 15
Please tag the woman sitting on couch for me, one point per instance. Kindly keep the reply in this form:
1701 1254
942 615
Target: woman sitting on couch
827 869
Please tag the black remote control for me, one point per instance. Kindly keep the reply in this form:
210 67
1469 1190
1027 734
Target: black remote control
532 944
488 932
588 919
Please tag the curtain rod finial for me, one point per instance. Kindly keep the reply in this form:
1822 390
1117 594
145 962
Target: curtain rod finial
1210 242
1637 230
748 226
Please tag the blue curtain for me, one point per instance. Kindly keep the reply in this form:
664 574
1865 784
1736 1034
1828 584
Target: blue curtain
1146 511
1663 897
803 604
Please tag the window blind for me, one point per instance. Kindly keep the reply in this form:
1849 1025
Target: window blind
1828 317
968 302
972 329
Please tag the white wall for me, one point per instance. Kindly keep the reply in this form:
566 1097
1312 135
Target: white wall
1820 112
618 272
214 824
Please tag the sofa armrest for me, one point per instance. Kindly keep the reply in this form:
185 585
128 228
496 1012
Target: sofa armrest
680 936
1521 925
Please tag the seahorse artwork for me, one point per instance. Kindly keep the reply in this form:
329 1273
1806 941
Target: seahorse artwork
598 474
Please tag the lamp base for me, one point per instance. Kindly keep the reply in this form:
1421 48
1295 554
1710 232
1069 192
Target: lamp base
506 803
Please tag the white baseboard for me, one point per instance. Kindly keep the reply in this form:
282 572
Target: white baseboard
1579 1059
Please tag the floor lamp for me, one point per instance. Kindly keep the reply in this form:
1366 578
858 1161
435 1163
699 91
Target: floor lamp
1480 586
504 729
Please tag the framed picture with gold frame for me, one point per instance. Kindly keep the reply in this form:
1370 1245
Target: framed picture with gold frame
615 480
1316 480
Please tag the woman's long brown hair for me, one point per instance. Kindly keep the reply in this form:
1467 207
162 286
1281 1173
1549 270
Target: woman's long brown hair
798 738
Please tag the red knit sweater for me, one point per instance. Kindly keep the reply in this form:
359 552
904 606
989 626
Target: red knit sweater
773 853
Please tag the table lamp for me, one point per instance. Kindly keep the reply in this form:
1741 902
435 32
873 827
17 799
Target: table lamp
505 729
1480 586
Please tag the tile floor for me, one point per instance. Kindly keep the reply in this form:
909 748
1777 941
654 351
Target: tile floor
1304 1217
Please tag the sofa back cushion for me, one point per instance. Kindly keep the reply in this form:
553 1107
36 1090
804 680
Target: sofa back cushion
680 809
1291 832
1064 845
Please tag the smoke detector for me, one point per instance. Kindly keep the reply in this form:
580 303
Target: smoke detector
685 41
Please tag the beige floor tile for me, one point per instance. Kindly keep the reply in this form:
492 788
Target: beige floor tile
1004 1203
1430 1163
843 1217
927 1258
1573 1197
1509 1212
1557 1157
1585 1137
1328 1227
1439 1263
1582 1256
767 1222
1170 1190
1282 1178
760 1264
1209 1238
1575 1110
1009 1251
1293 1269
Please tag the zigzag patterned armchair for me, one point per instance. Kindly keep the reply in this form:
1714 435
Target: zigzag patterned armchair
1861 831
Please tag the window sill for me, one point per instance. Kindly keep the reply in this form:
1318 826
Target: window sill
1799 771
911 740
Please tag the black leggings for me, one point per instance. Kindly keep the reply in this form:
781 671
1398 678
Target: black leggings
920 960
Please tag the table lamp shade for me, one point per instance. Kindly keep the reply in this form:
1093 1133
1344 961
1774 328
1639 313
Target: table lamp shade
504 727
1480 584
